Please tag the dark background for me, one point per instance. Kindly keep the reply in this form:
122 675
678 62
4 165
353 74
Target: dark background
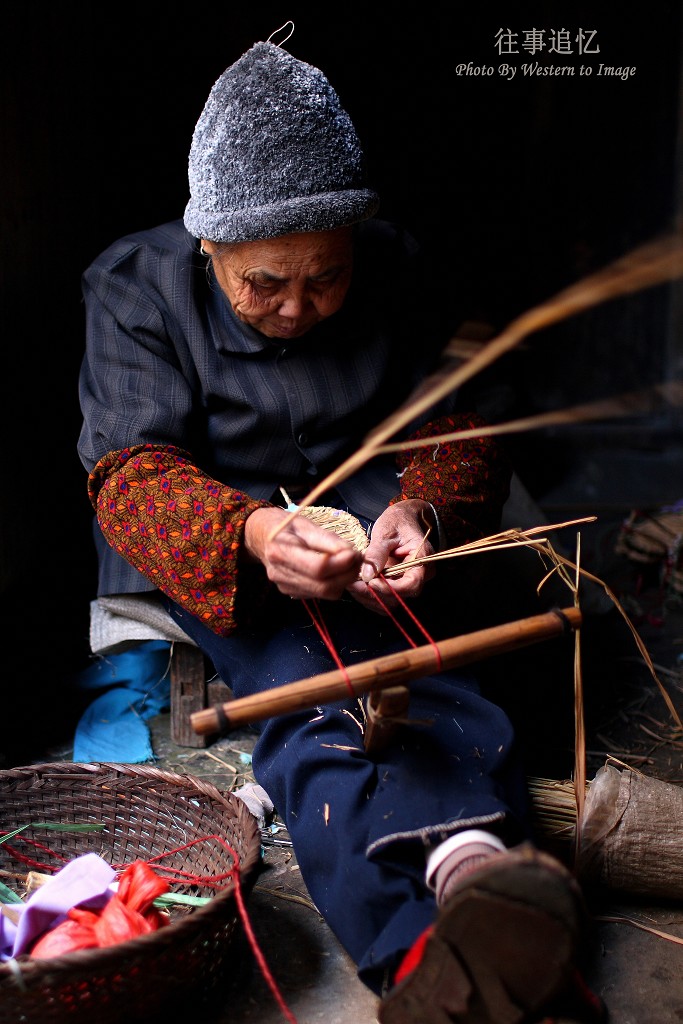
516 188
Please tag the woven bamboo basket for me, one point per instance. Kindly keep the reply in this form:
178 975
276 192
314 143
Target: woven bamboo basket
145 812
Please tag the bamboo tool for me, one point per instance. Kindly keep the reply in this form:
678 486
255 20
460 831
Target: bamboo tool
380 673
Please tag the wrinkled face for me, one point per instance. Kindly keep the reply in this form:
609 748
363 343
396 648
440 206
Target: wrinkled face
284 286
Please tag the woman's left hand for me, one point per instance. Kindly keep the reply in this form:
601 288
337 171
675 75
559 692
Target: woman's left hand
399 535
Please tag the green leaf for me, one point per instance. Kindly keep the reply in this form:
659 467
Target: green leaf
8 895
55 827
169 899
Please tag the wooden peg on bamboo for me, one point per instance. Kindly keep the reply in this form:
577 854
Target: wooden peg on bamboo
385 710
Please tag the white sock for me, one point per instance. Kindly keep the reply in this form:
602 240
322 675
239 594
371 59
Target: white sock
464 850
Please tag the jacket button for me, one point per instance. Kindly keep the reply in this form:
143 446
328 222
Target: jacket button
302 439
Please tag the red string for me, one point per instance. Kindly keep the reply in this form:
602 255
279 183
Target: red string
319 624
45 868
189 876
387 609
208 880
412 615
260 959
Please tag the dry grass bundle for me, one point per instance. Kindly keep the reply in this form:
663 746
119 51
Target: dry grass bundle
553 805
631 832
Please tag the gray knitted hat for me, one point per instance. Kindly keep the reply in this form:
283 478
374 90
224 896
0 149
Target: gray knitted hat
274 152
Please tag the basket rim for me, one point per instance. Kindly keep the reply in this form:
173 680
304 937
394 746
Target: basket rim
94 768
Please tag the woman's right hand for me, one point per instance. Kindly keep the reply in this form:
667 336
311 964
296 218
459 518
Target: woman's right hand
302 559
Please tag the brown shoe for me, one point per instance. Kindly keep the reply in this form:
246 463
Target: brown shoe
503 946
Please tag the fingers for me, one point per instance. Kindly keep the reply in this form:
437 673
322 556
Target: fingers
304 560
365 593
371 568
302 571
301 558
400 536
405 586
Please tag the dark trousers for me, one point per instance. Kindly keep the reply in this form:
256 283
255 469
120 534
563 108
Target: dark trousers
361 825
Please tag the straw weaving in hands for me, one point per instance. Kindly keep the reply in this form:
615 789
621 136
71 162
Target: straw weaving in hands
342 523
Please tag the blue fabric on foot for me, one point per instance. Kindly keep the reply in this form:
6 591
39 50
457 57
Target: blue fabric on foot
137 687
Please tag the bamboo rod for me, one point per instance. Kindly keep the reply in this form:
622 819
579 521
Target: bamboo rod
379 673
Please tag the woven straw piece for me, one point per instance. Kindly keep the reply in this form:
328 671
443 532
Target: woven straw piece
649 537
146 812
341 523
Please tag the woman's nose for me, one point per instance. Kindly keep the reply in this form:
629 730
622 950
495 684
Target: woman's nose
293 304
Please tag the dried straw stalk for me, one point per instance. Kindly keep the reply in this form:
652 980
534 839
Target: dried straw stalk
648 400
579 720
495 542
645 267
562 561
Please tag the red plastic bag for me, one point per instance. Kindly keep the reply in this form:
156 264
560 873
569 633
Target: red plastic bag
127 914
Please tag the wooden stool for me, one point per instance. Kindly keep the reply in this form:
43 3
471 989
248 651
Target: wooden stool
191 691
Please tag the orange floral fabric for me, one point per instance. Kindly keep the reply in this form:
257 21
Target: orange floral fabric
180 528
467 481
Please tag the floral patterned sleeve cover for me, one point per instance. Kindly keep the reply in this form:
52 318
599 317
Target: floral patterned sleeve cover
179 527
467 481
184 530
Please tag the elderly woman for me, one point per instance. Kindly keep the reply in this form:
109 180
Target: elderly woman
246 352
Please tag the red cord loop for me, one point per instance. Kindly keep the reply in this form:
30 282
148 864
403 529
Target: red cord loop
411 615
